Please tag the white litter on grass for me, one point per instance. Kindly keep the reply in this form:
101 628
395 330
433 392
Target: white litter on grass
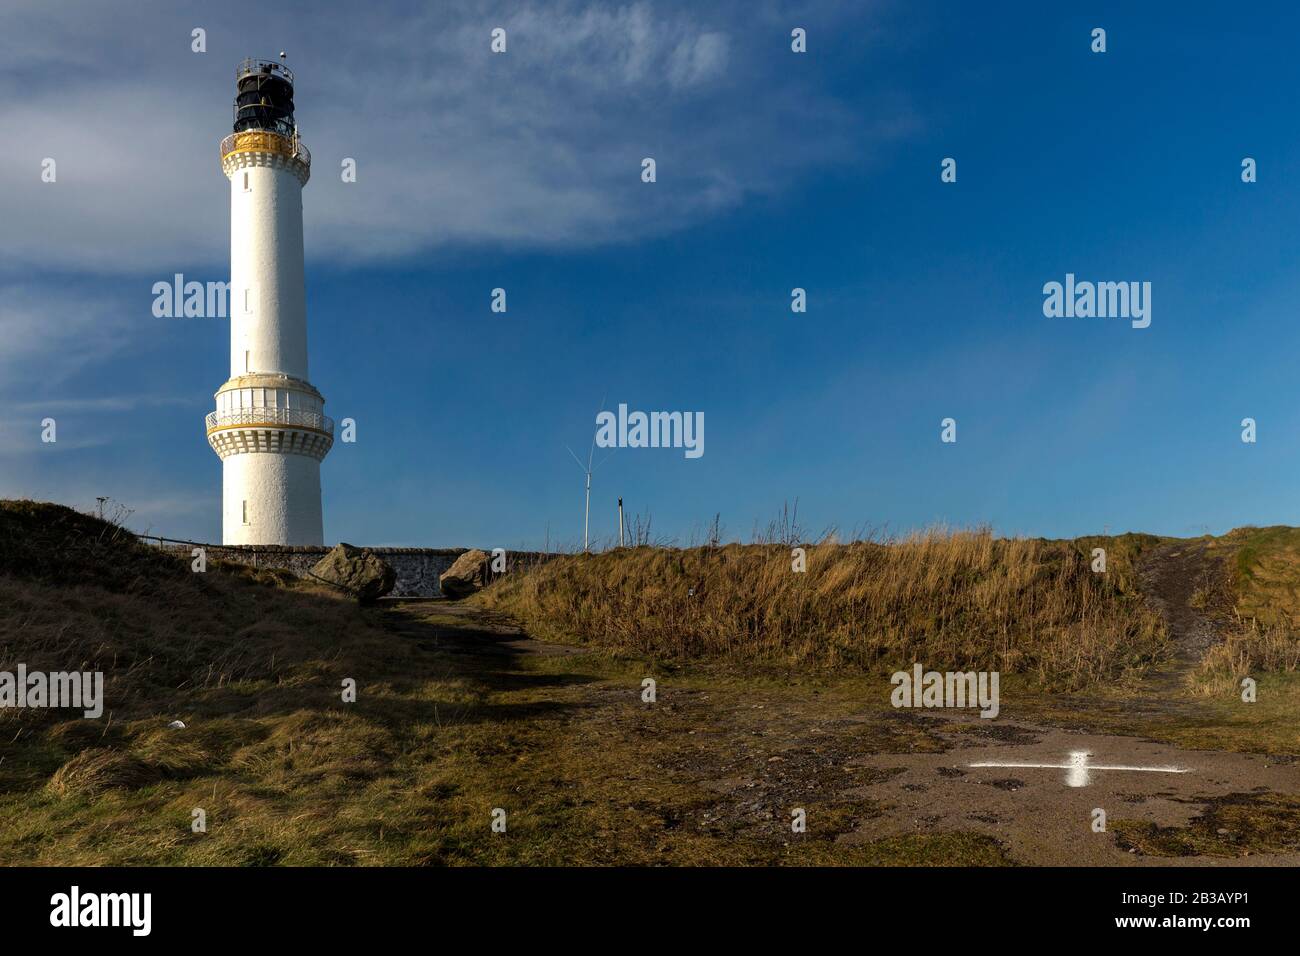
176 725
1079 770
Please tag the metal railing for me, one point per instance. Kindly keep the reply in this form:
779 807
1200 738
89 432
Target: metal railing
250 417
296 147
253 65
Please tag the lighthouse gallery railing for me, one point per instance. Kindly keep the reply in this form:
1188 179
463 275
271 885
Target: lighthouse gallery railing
293 145
250 417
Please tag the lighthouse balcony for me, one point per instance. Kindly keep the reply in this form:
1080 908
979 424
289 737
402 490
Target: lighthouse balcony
265 69
275 430
266 141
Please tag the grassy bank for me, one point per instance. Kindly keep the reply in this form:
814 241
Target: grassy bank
962 600
253 669
1259 624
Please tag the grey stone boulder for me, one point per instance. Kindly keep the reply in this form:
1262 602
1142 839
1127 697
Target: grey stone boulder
358 571
467 575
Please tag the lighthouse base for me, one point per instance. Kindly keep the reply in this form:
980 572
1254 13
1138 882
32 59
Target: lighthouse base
271 499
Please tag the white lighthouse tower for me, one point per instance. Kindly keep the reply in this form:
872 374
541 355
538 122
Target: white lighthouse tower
269 428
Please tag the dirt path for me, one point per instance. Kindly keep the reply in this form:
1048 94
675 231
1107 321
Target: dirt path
1185 582
726 758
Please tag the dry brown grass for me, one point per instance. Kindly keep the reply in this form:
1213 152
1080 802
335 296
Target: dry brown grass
443 730
253 670
1259 628
1249 651
1266 570
949 600
93 771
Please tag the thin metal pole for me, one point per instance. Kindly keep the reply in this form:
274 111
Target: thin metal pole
586 514
620 522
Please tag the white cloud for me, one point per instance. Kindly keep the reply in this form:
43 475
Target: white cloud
50 333
105 403
696 59
454 144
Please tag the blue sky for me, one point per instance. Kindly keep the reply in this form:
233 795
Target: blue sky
775 170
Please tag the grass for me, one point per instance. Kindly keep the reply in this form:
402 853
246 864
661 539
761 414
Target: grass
287 774
444 730
954 601
253 669
1249 651
1260 637
1240 824
1223 723
1266 570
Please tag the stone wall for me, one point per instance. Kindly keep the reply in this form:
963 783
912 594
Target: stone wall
417 569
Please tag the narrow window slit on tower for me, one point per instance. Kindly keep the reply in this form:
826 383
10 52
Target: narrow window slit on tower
245 506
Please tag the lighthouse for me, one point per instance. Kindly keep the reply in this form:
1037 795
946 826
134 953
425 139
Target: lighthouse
269 427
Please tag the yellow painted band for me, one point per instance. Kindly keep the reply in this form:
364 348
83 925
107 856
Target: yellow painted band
255 141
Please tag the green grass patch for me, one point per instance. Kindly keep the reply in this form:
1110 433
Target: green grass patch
1236 825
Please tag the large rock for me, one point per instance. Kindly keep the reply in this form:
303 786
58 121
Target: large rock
358 571
468 574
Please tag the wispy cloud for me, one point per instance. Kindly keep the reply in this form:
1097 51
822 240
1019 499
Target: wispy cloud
105 404
50 332
454 144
